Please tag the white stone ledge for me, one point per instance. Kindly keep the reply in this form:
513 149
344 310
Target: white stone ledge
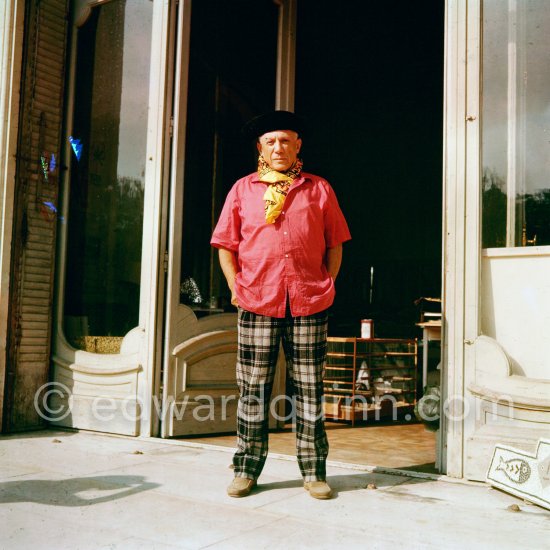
516 252
535 394
99 369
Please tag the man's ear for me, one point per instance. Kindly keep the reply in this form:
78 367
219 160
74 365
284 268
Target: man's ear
259 146
298 145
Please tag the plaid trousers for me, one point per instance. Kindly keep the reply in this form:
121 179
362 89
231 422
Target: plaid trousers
305 345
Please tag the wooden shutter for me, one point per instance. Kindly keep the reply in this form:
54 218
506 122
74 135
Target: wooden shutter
35 216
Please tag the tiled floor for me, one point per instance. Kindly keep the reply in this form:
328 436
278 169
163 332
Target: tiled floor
391 445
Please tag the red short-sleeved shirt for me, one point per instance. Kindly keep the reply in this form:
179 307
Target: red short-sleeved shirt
287 257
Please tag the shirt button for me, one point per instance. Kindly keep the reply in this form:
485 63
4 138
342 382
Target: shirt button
284 233
283 212
286 255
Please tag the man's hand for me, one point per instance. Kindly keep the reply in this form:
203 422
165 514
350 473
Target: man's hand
334 261
228 263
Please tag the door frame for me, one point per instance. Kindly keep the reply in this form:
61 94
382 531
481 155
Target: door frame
12 23
171 236
461 221
460 164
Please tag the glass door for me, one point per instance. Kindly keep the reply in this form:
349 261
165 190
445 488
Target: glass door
108 249
229 68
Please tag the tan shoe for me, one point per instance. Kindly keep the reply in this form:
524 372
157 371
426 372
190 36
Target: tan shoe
241 487
318 489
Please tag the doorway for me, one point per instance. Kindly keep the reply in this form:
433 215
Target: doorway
369 81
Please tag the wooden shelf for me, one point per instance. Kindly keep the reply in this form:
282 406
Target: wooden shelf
347 357
387 367
383 354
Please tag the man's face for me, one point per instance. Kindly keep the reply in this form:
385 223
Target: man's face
280 148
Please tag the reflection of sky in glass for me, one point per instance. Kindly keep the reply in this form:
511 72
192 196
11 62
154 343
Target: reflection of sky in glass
537 76
533 89
76 146
495 82
135 89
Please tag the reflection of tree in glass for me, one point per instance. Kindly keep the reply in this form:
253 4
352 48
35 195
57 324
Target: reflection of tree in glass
537 213
127 206
105 261
494 209
534 207
131 193
189 291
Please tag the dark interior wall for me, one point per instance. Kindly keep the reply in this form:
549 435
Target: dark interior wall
232 70
369 80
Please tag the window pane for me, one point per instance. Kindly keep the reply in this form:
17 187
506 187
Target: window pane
231 78
107 182
516 123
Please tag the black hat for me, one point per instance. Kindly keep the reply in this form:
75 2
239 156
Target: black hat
272 121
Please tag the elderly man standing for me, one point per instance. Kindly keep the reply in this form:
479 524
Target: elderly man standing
280 237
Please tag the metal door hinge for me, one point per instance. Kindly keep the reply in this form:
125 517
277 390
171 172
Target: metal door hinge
171 127
166 261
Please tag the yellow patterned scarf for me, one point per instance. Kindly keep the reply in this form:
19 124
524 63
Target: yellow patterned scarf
279 183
